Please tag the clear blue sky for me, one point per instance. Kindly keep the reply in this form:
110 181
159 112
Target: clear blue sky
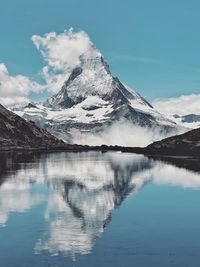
153 46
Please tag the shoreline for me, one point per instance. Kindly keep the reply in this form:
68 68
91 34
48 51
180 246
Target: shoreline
102 148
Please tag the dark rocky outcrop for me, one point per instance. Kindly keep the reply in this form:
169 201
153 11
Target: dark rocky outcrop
17 132
187 144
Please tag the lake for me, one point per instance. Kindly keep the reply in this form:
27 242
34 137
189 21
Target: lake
97 209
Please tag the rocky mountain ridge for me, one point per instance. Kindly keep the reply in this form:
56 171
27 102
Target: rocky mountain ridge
15 131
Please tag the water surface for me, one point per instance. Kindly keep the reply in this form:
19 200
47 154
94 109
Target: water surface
97 209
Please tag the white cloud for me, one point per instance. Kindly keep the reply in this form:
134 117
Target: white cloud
15 89
183 105
164 173
61 53
16 196
62 50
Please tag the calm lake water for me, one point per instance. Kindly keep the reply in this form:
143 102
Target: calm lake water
97 209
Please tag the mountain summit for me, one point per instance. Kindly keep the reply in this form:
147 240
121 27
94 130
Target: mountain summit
91 100
93 78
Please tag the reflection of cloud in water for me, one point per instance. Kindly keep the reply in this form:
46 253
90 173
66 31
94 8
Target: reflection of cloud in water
64 233
84 190
15 197
171 175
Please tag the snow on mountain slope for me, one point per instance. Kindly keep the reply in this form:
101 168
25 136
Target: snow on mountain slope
92 77
92 101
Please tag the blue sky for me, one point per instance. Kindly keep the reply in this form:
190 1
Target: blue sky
153 46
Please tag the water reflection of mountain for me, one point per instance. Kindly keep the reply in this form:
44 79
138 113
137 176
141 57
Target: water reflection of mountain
93 205
79 190
94 185
84 190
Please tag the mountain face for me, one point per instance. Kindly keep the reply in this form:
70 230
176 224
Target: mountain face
187 144
15 131
93 80
92 100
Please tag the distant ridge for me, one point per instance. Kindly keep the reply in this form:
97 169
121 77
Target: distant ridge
187 144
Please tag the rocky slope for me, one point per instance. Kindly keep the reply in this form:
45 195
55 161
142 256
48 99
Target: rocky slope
187 144
17 132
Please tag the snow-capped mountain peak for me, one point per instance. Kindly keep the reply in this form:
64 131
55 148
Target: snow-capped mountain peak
92 77
92 100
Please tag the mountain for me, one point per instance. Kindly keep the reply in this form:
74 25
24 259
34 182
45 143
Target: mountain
190 121
187 144
91 101
17 132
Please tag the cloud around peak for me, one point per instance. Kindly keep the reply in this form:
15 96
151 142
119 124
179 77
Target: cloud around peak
61 53
63 50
